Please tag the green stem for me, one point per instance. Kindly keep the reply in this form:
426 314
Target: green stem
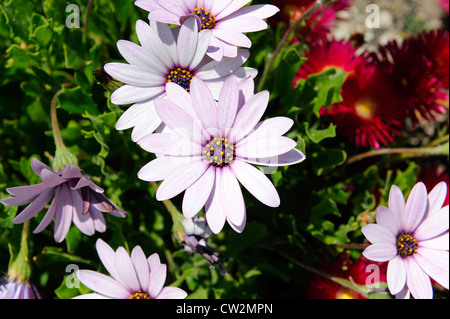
341 281
404 152
20 268
285 39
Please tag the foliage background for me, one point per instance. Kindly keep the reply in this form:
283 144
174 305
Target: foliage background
324 200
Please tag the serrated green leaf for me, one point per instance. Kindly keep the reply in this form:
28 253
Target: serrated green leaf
316 135
74 100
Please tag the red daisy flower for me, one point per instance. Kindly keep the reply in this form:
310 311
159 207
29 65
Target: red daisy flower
358 271
371 113
324 55
419 71
319 24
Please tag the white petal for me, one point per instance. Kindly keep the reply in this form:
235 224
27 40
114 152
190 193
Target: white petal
416 206
181 179
378 234
433 225
232 199
134 75
103 284
397 204
187 42
126 270
386 219
417 280
256 183
198 193
437 197
396 275
128 94
434 264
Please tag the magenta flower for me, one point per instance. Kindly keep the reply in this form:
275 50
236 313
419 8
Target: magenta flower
413 237
166 56
15 289
132 277
227 20
75 198
210 148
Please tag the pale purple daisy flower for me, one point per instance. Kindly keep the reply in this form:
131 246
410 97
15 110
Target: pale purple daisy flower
209 150
132 277
228 20
75 198
413 237
16 289
166 55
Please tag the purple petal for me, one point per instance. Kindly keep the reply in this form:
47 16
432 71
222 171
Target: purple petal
204 38
434 225
23 194
232 199
198 193
51 179
161 167
436 197
134 75
35 206
141 266
234 37
231 8
153 261
292 157
107 257
181 179
261 11
170 144
417 280
263 147
242 24
187 42
48 217
240 227
182 98
38 166
99 220
249 115
380 252
397 204
103 284
396 275
138 56
171 293
378 234
416 206
227 105
178 120
133 114
440 242
64 212
83 221
256 183
167 36
128 94
157 279
204 104
71 171
435 264
153 42
126 270
386 219
217 69
215 215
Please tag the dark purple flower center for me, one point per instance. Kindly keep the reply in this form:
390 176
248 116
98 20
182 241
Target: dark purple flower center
208 20
406 245
140 295
181 77
220 152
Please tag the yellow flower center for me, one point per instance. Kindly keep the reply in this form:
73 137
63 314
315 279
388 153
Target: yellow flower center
365 108
208 20
140 295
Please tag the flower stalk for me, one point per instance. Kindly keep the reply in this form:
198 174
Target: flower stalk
20 268
285 39
63 157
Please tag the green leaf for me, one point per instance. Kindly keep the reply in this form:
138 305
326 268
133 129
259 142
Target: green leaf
319 90
74 100
327 159
287 69
316 136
